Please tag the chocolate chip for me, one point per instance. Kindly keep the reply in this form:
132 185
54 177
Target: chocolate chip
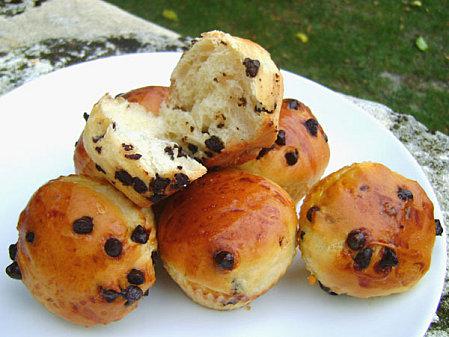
404 194
159 184
192 148
192 129
310 212
179 167
252 67
109 295
124 177
220 126
280 140
326 289
83 225
139 186
86 116
136 277
364 188
181 152
132 294
209 154
363 258
264 151
12 251
113 247
100 169
312 126
356 239
224 259
127 147
241 101
260 108
98 149
215 144
134 156
96 139
140 235
181 181
147 292
156 198
325 137
13 271
389 258
29 237
114 125
438 227
301 235
293 104
292 157
169 150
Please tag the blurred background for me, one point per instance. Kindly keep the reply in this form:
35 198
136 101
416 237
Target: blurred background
390 51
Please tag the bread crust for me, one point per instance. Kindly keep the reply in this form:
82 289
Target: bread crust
398 231
232 211
67 271
298 136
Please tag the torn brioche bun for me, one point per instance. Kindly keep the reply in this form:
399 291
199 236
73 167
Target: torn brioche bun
228 238
150 97
84 250
224 102
129 147
367 231
300 154
222 108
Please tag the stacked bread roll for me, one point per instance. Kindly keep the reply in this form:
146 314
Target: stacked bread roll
225 159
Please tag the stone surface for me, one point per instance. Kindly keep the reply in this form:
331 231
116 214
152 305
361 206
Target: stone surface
37 37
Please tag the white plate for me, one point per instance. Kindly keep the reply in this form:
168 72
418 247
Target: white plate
41 122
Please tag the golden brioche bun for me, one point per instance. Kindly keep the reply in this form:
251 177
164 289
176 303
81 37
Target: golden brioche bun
84 250
298 158
367 231
228 238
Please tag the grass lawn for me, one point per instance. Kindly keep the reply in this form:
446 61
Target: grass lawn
362 48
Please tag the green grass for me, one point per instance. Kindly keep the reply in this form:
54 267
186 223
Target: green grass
362 48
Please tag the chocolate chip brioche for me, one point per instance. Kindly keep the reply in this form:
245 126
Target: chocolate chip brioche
228 238
150 97
367 231
84 250
222 108
225 98
129 146
300 154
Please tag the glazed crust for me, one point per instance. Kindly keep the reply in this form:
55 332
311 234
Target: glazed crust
149 97
232 211
66 271
375 200
309 142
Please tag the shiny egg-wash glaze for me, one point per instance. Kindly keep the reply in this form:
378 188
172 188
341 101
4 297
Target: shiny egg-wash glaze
228 238
84 250
367 231
300 154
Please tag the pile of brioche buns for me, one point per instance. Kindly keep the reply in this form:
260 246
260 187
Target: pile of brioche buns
207 173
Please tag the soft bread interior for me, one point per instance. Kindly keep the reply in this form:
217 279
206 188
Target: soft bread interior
213 103
130 132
